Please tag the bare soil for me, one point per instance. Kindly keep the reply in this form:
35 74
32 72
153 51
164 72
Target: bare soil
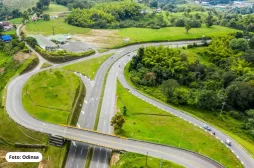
21 56
100 38
114 159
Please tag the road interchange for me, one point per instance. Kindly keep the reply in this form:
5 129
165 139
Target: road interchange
18 114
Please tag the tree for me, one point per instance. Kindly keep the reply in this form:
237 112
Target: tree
1 28
179 23
70 6
209 20
117 122
188 25
240 95
25 17
251 43
154 4
207 99
46 17
31 41
169 86
124 110
239 44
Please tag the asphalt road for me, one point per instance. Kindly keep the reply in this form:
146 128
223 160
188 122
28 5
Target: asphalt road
17 113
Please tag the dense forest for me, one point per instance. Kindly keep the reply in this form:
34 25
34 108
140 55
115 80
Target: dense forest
115 15
228 79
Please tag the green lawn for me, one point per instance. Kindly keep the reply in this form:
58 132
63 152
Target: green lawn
45 27
55 9
129 160
88 67
172 33
226 123
49 95
3 58
146 122
16 21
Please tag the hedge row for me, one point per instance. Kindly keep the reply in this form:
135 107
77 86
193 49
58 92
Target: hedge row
62 56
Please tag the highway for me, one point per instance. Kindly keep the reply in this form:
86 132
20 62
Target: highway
18 114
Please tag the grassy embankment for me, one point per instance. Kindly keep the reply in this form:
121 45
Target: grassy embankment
146 122
50 95
226 123
88 67
128 160
11 132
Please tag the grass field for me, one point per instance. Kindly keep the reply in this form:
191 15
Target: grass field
172 33
146 122
45 27
49 95
16 21
3 58
20 4
88 67
129 160
226 123
55 9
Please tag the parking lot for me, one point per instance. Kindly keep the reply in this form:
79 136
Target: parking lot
74 46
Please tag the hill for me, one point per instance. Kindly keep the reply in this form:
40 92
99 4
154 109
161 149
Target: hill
19 4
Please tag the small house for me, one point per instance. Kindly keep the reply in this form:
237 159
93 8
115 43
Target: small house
6 38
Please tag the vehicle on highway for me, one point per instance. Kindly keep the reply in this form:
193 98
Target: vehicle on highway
128 55
206 127
228 142
213 133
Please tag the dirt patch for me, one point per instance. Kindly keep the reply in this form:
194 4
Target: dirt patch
2 154
114 159
21 56
1 70
100 38
44 164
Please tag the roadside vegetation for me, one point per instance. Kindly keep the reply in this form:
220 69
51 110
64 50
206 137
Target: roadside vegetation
215 72
128 160
88 67
146 122
50 95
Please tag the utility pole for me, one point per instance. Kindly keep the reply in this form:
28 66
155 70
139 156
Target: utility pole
223 104
161 163
53 30
146 158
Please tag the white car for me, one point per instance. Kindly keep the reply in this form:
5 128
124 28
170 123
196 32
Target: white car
228 142
207 127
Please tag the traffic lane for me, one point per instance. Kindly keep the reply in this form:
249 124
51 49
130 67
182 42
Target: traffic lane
101 155
77 154
240 153
100 158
